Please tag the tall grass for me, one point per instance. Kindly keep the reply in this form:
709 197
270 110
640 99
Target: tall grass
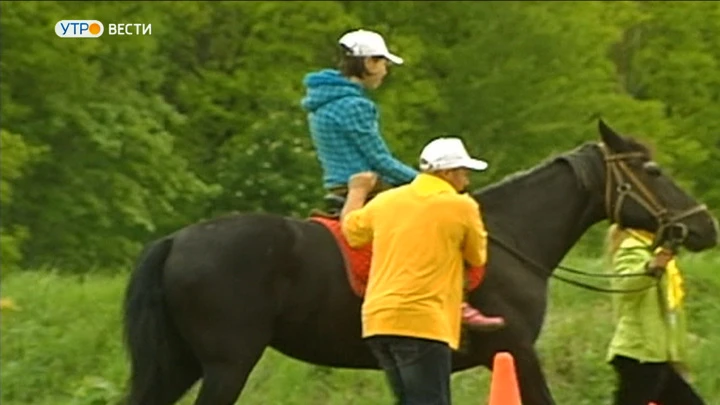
63 346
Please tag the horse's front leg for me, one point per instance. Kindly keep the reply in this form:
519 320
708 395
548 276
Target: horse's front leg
533 386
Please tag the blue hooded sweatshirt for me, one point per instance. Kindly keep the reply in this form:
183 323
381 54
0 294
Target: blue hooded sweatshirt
345 131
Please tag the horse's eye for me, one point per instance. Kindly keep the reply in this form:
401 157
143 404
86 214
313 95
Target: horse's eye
652 169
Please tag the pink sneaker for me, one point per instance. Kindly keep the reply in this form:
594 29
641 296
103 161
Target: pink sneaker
475 320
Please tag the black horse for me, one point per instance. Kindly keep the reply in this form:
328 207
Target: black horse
207 300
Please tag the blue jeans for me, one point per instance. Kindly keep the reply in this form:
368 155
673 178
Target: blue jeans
418 370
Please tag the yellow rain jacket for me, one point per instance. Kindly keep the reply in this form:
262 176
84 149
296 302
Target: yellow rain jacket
650 324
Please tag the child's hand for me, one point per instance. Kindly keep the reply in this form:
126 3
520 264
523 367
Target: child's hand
659 262
661 259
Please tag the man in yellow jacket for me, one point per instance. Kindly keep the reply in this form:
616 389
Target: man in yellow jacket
423 233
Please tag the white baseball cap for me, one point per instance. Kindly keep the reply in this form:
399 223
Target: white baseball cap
448 153
368 43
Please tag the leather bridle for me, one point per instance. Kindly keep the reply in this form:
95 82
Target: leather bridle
621 178
626 184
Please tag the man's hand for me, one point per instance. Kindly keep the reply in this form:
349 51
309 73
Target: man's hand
362 182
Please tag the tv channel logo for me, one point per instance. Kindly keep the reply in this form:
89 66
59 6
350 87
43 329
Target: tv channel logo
79 28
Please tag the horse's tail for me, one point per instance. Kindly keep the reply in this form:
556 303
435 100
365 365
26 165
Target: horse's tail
151 339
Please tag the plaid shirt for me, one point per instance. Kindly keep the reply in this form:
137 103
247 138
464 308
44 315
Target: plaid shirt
344 128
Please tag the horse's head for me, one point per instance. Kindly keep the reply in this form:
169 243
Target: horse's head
638 194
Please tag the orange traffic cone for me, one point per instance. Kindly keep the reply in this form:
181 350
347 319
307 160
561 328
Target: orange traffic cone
504 389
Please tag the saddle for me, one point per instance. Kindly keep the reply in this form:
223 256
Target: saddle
357 260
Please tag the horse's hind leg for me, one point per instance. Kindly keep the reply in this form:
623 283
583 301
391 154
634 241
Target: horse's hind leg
228 335
178 381
168 390
223 383
226 372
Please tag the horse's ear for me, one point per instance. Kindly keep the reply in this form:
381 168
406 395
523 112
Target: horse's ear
610 137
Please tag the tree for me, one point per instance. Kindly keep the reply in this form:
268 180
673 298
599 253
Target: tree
673 56
17 158
110 177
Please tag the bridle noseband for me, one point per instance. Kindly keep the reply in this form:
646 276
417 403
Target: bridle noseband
628 185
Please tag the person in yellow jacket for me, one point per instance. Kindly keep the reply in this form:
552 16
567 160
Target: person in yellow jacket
648 347
422 234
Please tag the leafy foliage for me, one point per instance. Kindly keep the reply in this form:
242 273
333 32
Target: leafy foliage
130 137
17 157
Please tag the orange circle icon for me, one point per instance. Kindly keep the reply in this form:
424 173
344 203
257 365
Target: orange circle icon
94 28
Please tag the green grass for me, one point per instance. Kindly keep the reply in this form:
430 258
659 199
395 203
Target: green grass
64 347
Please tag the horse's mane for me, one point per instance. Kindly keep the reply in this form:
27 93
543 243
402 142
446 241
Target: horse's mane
576 158
523 174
